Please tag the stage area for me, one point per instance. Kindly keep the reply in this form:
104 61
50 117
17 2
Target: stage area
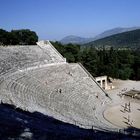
124 115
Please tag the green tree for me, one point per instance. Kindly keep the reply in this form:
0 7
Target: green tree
24 37
18 37
69 51
3 37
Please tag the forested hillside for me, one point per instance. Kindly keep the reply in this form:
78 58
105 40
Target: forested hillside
122 64
18 37
129 39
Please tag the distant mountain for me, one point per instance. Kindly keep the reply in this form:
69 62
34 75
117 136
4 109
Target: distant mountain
114 31
81 40
75 40
126 39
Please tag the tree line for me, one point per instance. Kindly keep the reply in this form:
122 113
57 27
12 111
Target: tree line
18 37
116 63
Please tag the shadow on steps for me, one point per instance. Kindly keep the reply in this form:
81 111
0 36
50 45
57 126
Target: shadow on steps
16 124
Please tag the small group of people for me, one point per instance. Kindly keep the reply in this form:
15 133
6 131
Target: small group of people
129 121
70 73
59 90
127 107
121 94
125 89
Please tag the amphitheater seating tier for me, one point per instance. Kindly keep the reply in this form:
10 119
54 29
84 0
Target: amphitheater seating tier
37 78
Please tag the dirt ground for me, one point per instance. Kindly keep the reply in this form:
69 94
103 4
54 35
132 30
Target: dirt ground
119 117
116 113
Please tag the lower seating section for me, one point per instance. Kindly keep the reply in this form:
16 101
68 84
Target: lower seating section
64 90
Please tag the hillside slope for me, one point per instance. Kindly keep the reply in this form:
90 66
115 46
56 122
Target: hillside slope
127 39
114 31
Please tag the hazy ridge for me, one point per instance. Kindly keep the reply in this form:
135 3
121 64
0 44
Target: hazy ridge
82 40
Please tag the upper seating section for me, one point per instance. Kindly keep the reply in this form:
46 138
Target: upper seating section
22 57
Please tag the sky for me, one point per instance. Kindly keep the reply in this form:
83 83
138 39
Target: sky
55 19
